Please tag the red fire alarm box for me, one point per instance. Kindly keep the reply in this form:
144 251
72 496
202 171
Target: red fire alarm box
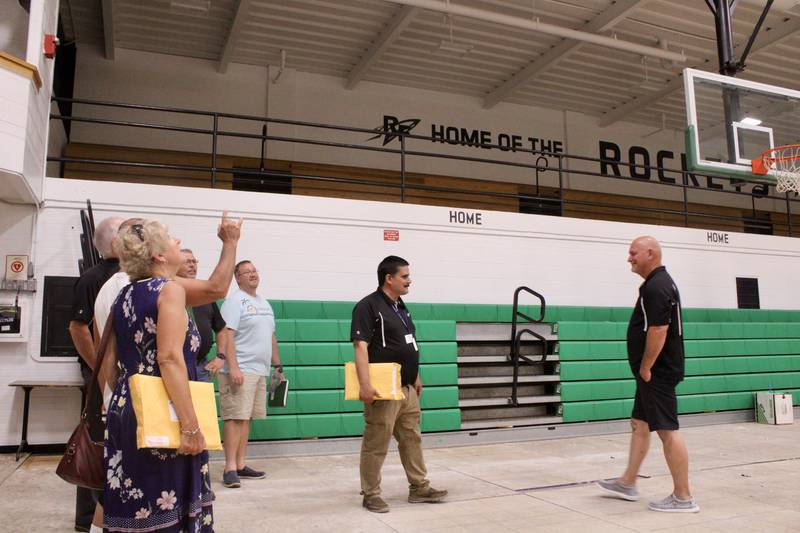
50 44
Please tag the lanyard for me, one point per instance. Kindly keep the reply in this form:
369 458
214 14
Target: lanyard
396 308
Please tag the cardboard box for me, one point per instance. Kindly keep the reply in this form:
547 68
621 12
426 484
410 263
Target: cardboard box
774 408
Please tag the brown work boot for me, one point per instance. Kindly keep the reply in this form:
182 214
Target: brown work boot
375 504
426 495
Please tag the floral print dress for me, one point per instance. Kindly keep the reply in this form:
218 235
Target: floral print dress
149 489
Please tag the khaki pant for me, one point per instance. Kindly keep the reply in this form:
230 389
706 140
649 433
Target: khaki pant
384 418
243 402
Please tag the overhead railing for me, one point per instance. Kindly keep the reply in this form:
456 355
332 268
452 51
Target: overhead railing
563 202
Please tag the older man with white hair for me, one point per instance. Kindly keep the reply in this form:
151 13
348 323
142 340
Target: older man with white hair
85 294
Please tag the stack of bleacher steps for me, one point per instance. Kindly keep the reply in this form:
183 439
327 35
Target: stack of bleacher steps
485 377
464 366
730 353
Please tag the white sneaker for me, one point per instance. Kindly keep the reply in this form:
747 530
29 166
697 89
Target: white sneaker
613 486
671 504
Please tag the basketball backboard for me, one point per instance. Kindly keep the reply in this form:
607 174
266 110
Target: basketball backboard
732 121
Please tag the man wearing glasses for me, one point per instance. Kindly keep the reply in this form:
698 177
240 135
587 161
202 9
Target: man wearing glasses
208 319
243 379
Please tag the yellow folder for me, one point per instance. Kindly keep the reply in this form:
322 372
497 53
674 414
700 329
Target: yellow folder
384 377
157 424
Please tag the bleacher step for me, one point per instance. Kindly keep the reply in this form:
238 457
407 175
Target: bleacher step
500 331
492 380
494 359
505 402
511 422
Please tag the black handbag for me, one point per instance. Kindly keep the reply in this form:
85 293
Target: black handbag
82 463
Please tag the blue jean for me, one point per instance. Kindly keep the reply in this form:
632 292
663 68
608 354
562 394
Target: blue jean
202 373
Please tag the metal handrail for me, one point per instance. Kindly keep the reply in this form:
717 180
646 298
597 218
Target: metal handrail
516 337
681 176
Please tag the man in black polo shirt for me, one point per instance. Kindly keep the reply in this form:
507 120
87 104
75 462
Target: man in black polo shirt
208 319
84 296
655 353
382 332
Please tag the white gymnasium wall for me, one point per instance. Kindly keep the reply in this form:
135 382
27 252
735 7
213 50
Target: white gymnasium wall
24 121
54 412
325 249
14 93
154 79
168 81
44 20
13 28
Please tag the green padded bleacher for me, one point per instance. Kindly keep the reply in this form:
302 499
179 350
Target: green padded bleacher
595 350
588 370
621 389
700 403
314 342
334 353
599 331
730 353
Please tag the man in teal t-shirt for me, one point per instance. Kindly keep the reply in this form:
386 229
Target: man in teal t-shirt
243 380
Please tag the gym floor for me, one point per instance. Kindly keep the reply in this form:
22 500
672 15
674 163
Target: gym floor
745 476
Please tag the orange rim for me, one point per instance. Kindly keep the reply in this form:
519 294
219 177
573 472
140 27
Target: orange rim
762 164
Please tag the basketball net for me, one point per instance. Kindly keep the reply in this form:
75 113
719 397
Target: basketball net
783 162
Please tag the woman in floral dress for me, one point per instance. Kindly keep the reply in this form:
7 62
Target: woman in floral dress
154 489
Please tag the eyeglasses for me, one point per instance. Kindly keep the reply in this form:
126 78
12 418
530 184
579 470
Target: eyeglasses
190 261
138 229
247 272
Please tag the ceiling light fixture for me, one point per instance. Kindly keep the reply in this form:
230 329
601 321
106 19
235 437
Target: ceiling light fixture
646 83
450 45
750 121
201 6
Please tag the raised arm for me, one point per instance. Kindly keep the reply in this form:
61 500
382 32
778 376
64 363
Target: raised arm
201 292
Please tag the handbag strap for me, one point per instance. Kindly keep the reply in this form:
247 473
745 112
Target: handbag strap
98 362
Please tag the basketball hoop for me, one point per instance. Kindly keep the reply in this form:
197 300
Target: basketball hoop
783 162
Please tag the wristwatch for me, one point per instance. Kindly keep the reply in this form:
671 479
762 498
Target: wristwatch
221 355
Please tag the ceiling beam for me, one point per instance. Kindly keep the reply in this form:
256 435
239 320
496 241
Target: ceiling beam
391 32
233 35
604 21
775 34
107 7
542 27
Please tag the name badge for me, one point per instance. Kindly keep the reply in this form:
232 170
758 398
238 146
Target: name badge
410 340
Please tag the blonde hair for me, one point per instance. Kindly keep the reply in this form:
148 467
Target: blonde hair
137 243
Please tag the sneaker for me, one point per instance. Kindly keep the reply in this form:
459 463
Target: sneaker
231 479
375 504
613 486
426 495
249 473
671 504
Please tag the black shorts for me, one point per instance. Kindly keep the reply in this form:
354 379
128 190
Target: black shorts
656 403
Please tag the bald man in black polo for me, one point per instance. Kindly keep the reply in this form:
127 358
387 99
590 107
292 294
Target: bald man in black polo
655 353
